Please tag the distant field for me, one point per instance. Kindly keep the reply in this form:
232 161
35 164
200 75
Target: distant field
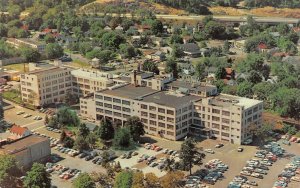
216 10
266 11
17 67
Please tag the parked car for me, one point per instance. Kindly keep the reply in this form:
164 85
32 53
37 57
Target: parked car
219 145
240 149
209 151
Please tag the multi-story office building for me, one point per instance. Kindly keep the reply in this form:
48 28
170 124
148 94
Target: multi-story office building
172 109
86 81
49 84
46 86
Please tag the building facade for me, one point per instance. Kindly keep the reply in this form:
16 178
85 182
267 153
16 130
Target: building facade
28 150
46 86
173 109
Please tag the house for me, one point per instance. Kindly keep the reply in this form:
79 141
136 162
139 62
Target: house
143 28
262 47
187 39
155 55
19 132
119 28
107 28
27 150
191 49
187 68
230 73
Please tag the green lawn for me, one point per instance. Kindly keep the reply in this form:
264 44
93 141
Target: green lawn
17 67
79 64
12 95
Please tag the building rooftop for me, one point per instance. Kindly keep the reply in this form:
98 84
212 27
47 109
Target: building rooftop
129 91
170 99
18 130
21 144
225 100
196 86
89 74
47 70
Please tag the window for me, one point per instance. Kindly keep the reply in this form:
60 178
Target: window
196 114
108 112
144 114
225 134
144 106
225 113
152 129
99 110
126 109
170 120
161 124
197 121
99 97
117 100
215 126
215 118
184 117
171 112
117 114
144 120
225 120
152 108
249 112
161 117
152 122
152 116
107 105
215 111
170 126
161 110
99 103
125 102
170 133
226 128
117 107
107 98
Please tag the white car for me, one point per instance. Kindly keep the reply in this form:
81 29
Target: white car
209 151
27 115
246 173
296 178
20 112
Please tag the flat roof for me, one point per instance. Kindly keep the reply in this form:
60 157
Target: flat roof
91 74
47 70
170 100
196 86
129 91
228 100
21 144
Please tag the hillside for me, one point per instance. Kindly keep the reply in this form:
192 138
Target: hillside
158 8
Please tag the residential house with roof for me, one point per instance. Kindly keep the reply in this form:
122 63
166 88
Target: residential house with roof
191 49
19 132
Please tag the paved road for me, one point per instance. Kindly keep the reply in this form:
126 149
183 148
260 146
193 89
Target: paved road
218 17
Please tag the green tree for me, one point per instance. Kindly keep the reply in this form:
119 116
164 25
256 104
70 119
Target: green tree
214 29
176 39
156 27
3 30
220 73
103 55
66 116
54 50
254 77
9 171
46 119
138 180
37 177
124 179
81 143
263 90
122 138
226 47
106 130
136 127
188 154
49 39
150 66
68 142
112 40
30 54
244 89
127 51
200 70
83 130
283 28
220 85
84 181
177 51
171 67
